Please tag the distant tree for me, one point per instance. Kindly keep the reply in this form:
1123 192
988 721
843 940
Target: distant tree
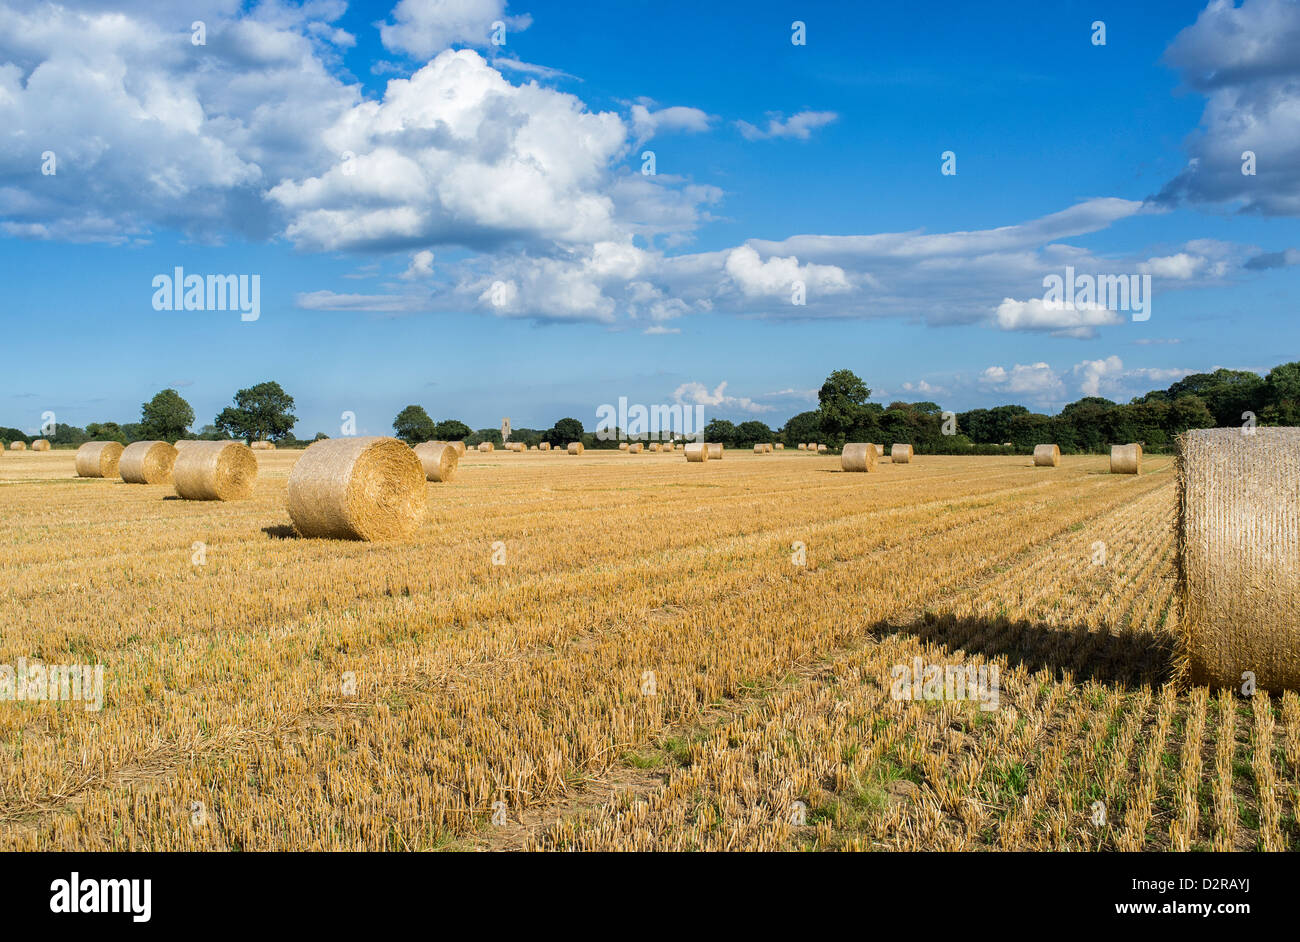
106 432
260 412
843 400
451 430
1227 393
321 437
1282 392
804 427
720 431
753 432
564 431
166 416
413 425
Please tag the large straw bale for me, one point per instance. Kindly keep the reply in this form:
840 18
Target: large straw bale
98 459
697 451
575 448
460 448
215 471
1126 459
715 451
858 456
17 446
1239 556
40 444
900 454
439 460
147 463
368 488
1047 456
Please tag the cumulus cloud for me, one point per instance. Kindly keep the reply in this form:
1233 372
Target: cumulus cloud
1036 380
1267 260
1062 321
647 123
697 394
421 265
775 276
798 126
424 28
1246 61
1091 373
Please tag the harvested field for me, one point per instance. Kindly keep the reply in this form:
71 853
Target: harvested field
317 694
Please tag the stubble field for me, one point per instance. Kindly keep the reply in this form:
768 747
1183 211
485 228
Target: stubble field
621 651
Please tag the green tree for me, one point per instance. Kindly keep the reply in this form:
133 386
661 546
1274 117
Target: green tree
413 425
753 432
260 412
1282 392
720 431
804 427
451 430
566 430
166 416
106 432
843 405
1227 393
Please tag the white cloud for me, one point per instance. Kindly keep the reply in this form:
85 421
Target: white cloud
1035 380
1092 373
381 303
1036 314
1181 266
646 123
921 386
699 394
799 126
776 276
661 329
423 28
421 265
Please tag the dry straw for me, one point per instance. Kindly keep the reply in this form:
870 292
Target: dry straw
1047 456
900 454
98 459
822 449
655 446
697 451
759 450
880 450
803 446
544 446
17 446
575 448
624 446
262 446
779 447
460 448
357 488
485 447
1126 459
40 445
858 456
715 451
635 448
215 471
1239 556
147 463
438 459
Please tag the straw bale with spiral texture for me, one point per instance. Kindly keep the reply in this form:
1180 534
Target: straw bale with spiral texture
40 445
1238 556
715 451
215 471
98 459
1047 456
438 459
147 463
900 454
1126 459
262 446
858 456
460 448
697 451
17 446
369 488
575 448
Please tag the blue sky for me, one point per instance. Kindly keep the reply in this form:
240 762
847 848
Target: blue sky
519 166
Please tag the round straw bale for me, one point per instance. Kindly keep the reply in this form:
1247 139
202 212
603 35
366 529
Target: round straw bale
623 446
262 446
858 456
544 446
880 450
368 488
715 451
779 446
17 446
822 449
98 459
147 463
697 451
900 454
215 471
654 446
1126 459
484 447
758 450
1047 456
575 448
635 448
40 445
1239 556
460 448
803 446
439 460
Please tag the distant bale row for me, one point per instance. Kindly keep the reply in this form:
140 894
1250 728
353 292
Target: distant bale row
1126 459
367 488
215 471
439 460
147 463
1047 456
858 456
98 459
1239 556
